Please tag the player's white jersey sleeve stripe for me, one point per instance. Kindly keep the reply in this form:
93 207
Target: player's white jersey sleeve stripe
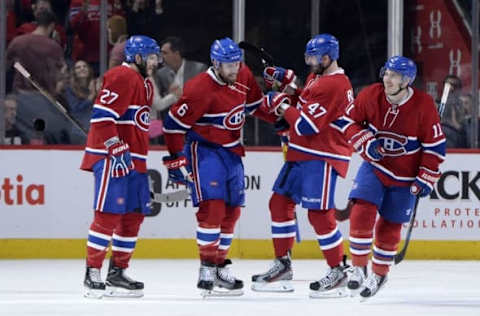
104 108
431 152
434 144
104 119
317 152
127 122
390 173
178 121
96 151
139 156
252 107
173 131
232 144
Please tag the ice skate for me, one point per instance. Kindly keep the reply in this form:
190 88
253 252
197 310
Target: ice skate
356 277
120 285
225 283
331 285
94 286
372 285
206 278
277 279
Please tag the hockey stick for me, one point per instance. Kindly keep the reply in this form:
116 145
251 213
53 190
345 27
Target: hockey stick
173 196
401 255
266 58
47 95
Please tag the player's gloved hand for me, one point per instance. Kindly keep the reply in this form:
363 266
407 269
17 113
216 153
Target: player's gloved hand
423 184
175 163
120 159
278 78
273 100
281 127
367 146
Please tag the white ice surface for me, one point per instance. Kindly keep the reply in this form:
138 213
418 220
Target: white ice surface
54 287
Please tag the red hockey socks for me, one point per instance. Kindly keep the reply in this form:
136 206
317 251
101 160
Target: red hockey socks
387 237
232 214
329 237
362 221
125 238
282 212
210 216
99 236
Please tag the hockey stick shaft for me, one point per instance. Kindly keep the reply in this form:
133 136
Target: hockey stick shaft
47 95
401 255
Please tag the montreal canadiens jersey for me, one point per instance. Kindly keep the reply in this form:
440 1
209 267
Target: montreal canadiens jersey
312 134
122 108
212 111
409 132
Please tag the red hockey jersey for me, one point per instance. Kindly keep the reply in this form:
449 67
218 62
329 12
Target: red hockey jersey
122 108
409 132
212 111
312 134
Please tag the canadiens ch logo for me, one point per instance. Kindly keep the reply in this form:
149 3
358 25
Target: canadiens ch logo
393 144
235 118
142 118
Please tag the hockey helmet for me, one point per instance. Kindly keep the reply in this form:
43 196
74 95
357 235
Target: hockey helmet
140 45
322 44
225 50
402 65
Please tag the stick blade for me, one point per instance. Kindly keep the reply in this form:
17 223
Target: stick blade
171 197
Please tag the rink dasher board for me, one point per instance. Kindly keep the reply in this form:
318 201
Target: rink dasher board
46 210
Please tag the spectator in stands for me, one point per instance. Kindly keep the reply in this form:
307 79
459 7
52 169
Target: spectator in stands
11 21
13 136
38 53
85 22
454 114
82 88
466 128
171 78
117 36
142 14
38 6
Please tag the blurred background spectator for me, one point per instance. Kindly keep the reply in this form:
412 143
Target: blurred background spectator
117 37
454 114
13 136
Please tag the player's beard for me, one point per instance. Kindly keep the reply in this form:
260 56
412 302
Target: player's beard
320 69
142 68
227 79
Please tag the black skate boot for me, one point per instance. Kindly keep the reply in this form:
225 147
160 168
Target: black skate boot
276 279
94 286
206 277
333 284
120 285
372 285
228 284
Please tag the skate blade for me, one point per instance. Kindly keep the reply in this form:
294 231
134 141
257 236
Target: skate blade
218 292
273 287
354 293
123 293
93 294
334 293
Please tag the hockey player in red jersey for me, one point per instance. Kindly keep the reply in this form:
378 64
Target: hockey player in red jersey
202 134
317 154
396 129
116 153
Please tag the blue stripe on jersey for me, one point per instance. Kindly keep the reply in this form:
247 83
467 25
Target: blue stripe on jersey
341 123
304 128
101 113
213 120
284 229
123 244
98 240
170 124
249 108
330 240
439 149
207 237
129 115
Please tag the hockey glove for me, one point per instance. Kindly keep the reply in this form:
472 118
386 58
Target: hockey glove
367 146
278 78
423 184
119 156
273 100
175 163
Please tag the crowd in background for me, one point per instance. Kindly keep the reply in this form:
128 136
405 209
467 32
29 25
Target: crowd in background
58 43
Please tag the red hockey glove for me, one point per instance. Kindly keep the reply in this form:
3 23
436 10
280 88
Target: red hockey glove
367 146
423 184
278 78
273 100
120 159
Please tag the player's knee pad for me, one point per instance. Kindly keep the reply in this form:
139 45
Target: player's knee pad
105 222
387 234
362 218
232 214
282 208
323 221
211 213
